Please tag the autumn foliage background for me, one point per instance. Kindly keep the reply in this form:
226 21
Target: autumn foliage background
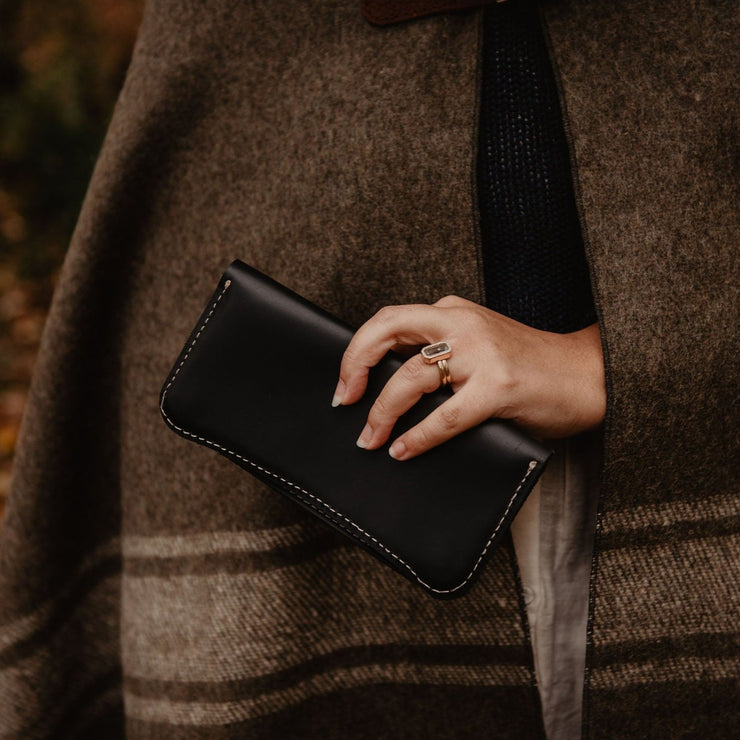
61 68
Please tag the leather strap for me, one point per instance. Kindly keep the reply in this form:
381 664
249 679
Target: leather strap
386 12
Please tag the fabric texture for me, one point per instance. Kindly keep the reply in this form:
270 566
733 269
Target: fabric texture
149 588
385 12
650 106
534 264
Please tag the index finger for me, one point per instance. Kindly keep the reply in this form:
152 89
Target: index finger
411 323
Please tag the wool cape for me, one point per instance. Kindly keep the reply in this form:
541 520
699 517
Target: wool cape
150 588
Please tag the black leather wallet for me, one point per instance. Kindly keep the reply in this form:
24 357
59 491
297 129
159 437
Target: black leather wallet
254 381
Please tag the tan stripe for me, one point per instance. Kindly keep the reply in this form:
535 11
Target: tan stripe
671 514
683 668
33 693
225 626
693 584
221 713
23 627
172 546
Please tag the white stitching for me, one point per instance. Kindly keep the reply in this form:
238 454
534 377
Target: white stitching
530 468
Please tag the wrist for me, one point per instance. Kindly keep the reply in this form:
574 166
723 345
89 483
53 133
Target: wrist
588 376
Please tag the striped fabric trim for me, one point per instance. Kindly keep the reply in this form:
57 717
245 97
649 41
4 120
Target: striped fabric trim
693 583
696 645
244 560
654 523
480 656
190 665
149 555
675 708
208 627
102 563
226 712
101 696
162 555
689 668
207 543
675 512
188 640
34 696
32 716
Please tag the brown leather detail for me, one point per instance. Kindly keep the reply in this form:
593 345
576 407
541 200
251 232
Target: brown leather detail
385 12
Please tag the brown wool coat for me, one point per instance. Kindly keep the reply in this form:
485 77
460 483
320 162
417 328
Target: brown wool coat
149 587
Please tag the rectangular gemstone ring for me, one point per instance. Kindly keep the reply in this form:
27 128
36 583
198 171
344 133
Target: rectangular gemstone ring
435 352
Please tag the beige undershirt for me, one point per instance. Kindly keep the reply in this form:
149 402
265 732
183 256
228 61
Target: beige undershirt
553 540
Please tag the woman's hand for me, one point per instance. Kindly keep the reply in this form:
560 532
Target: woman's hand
550 384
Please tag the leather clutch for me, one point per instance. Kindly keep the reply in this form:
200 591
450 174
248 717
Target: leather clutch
254 382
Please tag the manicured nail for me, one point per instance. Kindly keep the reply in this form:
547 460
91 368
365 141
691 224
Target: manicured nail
338 393
397 450
365 436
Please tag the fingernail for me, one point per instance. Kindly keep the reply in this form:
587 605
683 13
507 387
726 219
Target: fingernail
338 393
365 436
397 450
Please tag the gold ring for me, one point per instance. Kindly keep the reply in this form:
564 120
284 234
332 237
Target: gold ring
439 352
444 371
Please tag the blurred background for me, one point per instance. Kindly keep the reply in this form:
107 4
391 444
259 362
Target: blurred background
61 68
